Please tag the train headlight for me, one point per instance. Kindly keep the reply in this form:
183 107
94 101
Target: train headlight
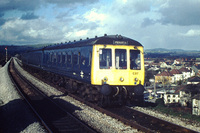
136 79
105 79
121 79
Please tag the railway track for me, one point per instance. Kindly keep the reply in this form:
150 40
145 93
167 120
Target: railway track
139 120
135 119
53 117
148 121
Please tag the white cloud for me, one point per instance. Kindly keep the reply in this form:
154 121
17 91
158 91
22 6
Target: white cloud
36 31
94 16
191 33
81 33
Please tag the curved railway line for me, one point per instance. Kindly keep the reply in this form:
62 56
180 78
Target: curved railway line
53 117
129 116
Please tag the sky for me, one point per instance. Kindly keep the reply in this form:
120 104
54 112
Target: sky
171 24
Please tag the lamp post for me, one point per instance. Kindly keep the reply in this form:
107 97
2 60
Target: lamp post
6 54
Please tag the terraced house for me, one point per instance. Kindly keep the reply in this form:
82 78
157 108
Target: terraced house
174 75
164 77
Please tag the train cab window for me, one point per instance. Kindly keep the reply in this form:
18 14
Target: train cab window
105 58
120 59
135 61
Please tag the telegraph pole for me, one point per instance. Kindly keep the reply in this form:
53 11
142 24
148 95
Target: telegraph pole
6 55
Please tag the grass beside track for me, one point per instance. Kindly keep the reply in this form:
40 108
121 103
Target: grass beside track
174 111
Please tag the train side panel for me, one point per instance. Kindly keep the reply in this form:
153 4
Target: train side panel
34 58
72 62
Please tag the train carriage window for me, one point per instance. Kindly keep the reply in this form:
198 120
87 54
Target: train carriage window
90 58
79 58
66 58
63 58
50 57
47 57
135 60
120 59
54 58
69 57
83 60
105 58
58 58
75 58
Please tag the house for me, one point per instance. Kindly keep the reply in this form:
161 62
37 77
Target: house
185 95
196 105
177 66
187 73
177 61
196 69
166 64
164 77
171 98
174 75
182 95
194 80
177 75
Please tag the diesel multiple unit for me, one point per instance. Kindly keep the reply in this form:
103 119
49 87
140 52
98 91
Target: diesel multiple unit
105 69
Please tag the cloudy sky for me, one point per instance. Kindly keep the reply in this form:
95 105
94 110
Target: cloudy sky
173 24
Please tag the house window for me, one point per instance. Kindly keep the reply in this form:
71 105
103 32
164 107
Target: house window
196 101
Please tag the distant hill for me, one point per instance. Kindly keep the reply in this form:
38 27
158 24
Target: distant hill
18 49
167 53
163 50
39 45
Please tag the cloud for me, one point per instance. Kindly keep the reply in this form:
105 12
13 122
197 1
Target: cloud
94 16
21 5
1 15
29 16
70 2
127 7
2 21
147 22
150 22
191 33
20 31
184 12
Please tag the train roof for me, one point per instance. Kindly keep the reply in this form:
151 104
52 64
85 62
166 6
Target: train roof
106 39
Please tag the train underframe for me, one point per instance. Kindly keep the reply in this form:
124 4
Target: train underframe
104 95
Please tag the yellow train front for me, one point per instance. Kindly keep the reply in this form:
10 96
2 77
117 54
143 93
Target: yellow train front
117 70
